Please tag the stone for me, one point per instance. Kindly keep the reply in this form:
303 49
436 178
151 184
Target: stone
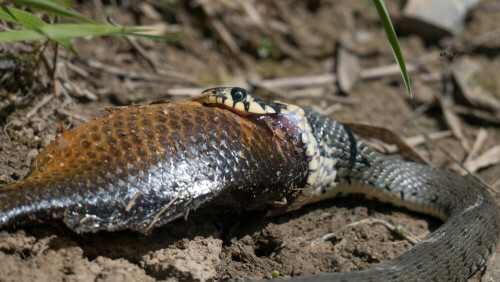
433 19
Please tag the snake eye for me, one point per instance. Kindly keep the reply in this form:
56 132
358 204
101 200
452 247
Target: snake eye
238 94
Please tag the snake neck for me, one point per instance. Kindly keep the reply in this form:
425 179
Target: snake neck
339 163
330 152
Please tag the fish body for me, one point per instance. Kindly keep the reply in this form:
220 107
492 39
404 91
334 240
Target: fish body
144 166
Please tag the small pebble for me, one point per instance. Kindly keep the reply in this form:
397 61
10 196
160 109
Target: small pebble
29 133
17 124
15 175
46 139
31 155
4 179
38 124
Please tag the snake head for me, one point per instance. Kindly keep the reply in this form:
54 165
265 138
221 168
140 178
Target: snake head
240 101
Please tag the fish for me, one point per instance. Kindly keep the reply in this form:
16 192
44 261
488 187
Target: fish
144 166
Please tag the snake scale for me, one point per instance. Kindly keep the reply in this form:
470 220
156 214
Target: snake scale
144 166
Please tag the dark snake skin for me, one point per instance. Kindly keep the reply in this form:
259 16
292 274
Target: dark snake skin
147 165
456 249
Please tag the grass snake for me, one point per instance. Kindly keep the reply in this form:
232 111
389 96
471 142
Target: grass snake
144 166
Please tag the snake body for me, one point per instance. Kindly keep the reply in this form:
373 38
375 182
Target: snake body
452 252
145 166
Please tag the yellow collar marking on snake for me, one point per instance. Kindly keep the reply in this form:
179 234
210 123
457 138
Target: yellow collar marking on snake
320 169
239 99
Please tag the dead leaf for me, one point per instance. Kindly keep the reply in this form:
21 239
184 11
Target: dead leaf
387 136
490 157
348 68
464 70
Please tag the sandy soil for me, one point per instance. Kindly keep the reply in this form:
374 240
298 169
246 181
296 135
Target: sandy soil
232 245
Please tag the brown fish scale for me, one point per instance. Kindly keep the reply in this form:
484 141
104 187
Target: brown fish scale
120 170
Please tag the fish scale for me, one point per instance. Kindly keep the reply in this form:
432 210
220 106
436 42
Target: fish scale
119 171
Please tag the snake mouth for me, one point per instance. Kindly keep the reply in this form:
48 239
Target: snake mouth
283 126
203 99
231 109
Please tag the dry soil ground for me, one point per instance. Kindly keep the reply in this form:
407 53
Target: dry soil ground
301 41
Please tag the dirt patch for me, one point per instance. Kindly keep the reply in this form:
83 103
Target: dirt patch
290 244
228 245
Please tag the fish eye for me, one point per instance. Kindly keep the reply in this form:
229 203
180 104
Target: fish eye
238 94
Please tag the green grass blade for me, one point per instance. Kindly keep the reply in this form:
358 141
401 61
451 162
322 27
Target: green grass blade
393 40
53 8
64 3
68 45
65 31
30 21
20 58
20 17
152 37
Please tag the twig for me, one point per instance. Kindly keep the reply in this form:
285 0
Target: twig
42 103
83 73
135 75
452 158
419 139
5 130
140 50
497 184
258 84
253 14
99 12
412 141
330 78
41 56
89 217
132 201
76 90
490 157
268 28
72 114
164 209
335 107
486 116
121 72
417 112
319 92
480 139
273 85
222 32
486 37
143 53
396 229
300 81
192 91
451 118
